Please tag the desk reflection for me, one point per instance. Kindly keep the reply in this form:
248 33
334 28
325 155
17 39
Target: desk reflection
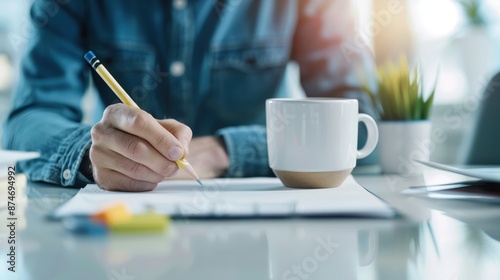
443 247
269 249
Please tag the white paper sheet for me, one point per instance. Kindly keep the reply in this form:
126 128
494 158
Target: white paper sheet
251 197
10 158
491 174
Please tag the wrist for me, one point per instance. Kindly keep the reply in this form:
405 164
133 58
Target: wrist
221 155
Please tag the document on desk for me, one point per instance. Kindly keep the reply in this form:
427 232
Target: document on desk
486 189
490 173
11 157
229 198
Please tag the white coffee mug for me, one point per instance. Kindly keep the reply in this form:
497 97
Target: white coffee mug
312 142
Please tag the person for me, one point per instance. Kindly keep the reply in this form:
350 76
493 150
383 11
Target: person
200 70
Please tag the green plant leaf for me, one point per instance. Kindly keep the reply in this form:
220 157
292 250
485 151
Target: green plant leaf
414 92
417 113
399 92
426 110
472 10
405 87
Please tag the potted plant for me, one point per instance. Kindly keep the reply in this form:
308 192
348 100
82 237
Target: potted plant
404 111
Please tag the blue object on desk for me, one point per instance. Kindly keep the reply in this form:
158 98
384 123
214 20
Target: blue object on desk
85 225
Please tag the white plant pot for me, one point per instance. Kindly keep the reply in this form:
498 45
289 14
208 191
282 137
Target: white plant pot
403 142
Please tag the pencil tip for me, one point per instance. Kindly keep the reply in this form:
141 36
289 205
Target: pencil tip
199 182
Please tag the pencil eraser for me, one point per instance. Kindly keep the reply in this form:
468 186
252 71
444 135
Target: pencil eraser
114 214
149 222
89 56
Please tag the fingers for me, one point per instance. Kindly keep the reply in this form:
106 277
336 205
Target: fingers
114 161
141 124
180 131
112 180
130 147
132 151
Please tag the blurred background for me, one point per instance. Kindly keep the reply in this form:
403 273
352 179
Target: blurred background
458 38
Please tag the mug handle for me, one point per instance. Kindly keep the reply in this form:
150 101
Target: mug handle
372 139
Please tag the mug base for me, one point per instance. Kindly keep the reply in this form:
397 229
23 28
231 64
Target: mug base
312 180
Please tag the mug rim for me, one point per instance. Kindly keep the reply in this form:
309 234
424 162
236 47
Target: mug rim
313 100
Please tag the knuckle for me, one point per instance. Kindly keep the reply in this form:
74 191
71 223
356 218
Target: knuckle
136 148
110 110
173 122
140 119
163 141
101 180
97 157
93 153
181 128
96 133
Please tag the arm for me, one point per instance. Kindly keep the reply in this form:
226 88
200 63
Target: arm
233 152
246 147
46 111
330 61
332 56
129 149
330 53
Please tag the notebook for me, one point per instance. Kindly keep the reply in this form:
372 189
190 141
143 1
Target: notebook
230 198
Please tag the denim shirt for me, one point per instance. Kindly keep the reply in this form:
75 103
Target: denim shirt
210 64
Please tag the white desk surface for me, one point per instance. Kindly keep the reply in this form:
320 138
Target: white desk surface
438 239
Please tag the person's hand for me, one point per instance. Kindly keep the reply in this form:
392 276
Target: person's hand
132 151
208 158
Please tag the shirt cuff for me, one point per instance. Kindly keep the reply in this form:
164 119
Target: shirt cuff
73 149
62 166
247 150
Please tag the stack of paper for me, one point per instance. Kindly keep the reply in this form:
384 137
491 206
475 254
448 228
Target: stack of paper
485 188
13 187
10 158
252 197
490 174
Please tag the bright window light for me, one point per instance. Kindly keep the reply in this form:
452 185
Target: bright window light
451 87
493 9
437 19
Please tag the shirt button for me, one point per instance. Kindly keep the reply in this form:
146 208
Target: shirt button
179 4
67 174
177 69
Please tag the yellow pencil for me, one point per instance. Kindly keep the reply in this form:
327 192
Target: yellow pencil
125 98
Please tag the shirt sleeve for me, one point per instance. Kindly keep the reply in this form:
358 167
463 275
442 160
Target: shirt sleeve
332 59
46 114
330 51
247 150
332 56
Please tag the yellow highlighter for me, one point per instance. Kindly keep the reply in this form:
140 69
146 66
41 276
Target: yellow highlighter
126 99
